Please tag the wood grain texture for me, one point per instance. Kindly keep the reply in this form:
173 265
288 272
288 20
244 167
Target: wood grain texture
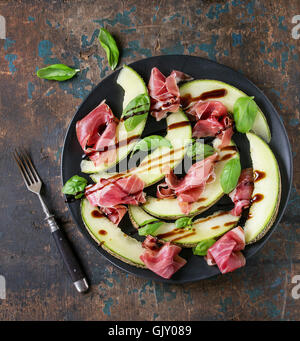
253 37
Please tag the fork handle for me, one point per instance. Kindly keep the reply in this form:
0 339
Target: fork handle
68 256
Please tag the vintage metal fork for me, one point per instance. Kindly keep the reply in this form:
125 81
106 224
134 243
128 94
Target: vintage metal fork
34 184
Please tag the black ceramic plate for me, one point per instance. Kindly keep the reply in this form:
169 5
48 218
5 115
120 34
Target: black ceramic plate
196 267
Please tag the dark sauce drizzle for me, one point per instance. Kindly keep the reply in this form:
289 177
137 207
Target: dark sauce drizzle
188 99
257 198
258 175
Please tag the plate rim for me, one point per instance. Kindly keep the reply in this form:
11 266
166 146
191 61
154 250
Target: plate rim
114 261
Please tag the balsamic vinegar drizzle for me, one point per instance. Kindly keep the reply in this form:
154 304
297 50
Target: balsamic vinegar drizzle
187 99
257 198
133 114
258 175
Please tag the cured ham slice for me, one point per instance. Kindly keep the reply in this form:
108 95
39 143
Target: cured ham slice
110 195
162 259
212 120
226 251
189 189
241 195
111 192
164 92
96 134
115 213
181 76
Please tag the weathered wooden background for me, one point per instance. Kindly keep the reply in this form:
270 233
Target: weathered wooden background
253 37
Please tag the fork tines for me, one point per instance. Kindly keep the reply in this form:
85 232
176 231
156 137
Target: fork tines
26 167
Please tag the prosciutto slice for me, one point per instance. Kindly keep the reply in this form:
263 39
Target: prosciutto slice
164 92
226 251
181 76
110 195
242 194
162 259
212 120
115 213
96 134
188 189
111 192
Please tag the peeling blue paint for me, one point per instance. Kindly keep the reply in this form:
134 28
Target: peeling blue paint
134 47
30 89
294 203
30 18
148 284
273 64
50 92
8 43
285 85
262 47
226 53
198 11
284 59
122 18
280 24
177 48
48 23
84 39
277 45
254 293
210 48
11 58
131 291
236 39
276 92
128 30
45 52
216 10
163 291
272 310
189 299
236 3
107 305
102 69
276 283
191 48
225 304
172 17
294 122
250 7
58 153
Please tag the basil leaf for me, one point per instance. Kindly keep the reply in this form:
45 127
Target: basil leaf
244 113
198 150
74 185
110 46
80 195
183 222
150 143
149 221
136 111
149 228
57 72
230 175
203 246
